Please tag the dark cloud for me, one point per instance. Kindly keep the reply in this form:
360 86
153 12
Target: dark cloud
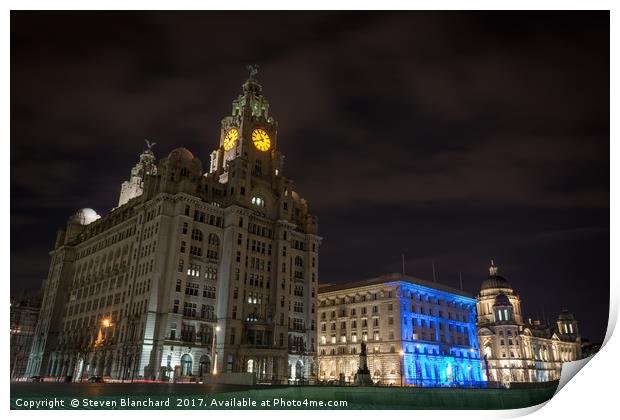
453 137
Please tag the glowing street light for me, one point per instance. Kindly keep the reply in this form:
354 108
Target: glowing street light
213 355
402 362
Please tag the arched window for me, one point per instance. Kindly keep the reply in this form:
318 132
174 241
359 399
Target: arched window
186 365
213 245
205 365
250 368
196 235
258 202
298 370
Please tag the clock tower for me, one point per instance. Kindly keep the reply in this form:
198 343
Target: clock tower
248 133
269 266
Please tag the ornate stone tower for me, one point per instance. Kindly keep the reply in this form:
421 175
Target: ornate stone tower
133 187
567 325
248 133
497 293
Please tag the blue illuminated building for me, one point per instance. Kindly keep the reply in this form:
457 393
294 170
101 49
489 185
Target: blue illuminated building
417 332
439 336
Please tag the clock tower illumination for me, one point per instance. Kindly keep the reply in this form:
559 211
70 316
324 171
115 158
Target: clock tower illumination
249 133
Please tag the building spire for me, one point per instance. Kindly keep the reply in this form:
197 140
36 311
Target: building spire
252 69
493 269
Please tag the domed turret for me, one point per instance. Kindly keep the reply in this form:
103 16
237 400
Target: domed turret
85 216
497 300
495 281
181 154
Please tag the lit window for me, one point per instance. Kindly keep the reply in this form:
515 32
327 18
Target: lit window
257 201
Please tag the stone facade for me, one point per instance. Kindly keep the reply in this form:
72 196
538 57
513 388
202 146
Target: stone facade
417 332
194 273
519 350
24 316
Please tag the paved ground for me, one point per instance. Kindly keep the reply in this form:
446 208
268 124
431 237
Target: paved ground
25 389
354 397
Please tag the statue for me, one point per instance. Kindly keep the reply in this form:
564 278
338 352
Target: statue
149 145
363 374
253 69
486 366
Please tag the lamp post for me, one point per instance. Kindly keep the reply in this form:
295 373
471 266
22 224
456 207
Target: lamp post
402 362
217 329
105 324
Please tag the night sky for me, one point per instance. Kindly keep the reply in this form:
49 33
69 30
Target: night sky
453 137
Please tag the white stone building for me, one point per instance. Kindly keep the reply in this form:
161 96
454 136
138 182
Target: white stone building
139 292
519 350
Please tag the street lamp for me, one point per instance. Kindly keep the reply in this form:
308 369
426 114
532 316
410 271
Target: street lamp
217 329
402 362
105 324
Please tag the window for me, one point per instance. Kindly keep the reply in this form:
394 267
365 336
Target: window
189 310
193 270
213 244
191 289
196 235
186 365
211 273
258 202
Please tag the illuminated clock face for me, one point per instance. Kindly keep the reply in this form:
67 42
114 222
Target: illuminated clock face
230 138
261 139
